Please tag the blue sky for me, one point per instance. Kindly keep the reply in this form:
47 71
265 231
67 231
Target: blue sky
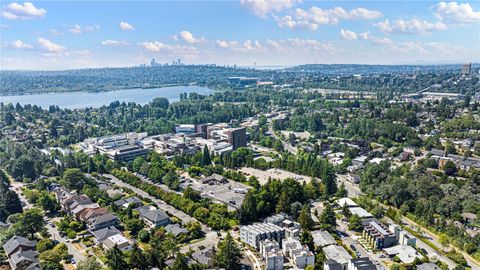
79 34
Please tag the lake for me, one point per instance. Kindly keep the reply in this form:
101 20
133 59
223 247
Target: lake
82 99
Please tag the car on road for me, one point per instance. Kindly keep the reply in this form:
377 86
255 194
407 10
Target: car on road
72 261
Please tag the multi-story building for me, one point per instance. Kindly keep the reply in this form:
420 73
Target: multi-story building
237 137
255 233
378 236
299 254
338 254
466 69
274 260
361 264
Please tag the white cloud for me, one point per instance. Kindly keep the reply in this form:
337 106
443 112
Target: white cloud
224 44
348 35
4 26
126 26
455 13
364 35
77 29
413 26
49 46
18 45
114 42
153 46
55 32
263 7
189 38
25 11
315 16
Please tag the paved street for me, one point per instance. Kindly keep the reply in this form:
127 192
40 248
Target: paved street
211 237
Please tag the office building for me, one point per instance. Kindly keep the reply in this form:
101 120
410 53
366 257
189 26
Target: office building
466 69
274 260
237 137
255 233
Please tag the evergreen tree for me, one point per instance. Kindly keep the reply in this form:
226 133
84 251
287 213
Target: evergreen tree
180 262
137 259
248 210
327 219
115 259
305 219
228 255
206 160
355 223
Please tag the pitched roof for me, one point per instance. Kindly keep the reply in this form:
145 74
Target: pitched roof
104 233
17 241
155 215
102 219
175 229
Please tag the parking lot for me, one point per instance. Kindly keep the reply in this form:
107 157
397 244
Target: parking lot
230 193
273 174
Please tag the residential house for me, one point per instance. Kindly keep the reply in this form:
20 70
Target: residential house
119 240
153 217
102 221
21 253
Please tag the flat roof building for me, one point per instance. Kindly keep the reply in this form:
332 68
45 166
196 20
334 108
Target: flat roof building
322 239
255 233
338 254
378 236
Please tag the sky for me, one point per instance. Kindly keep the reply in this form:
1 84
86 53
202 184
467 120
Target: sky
55 35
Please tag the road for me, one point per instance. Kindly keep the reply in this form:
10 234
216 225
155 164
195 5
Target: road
350 241
211 237
435 240
354 191
286 145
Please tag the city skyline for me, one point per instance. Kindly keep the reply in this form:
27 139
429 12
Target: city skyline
60 35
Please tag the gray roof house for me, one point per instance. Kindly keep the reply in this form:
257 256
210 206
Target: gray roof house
153 217
102 221
17 243
24 260
175 229
102 234
127 201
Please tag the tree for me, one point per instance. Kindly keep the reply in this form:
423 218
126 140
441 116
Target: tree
449 168
45 244
47 202
327 219
137 163
346 212
206 160
12 202
115 259
248 210
74 179
355 223
137 258
228 255
305 219
156 254
341 192
180 262
444 240
89 263
30 222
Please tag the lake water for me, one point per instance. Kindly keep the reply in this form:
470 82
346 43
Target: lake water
81 99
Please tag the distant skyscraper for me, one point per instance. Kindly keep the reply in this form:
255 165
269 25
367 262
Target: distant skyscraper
153 63
466 69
